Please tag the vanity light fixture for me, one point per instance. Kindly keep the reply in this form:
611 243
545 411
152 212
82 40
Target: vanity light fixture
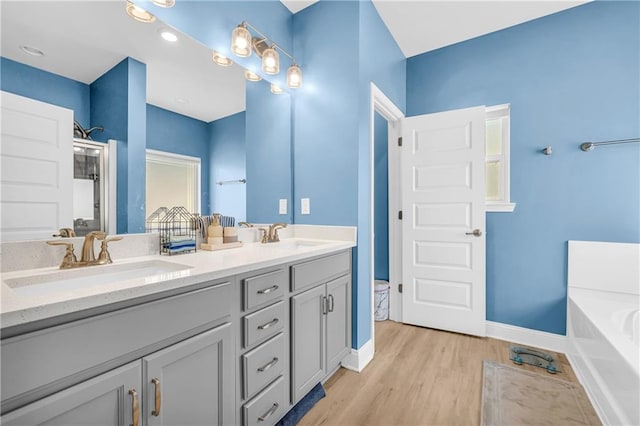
243 42
33 51
276 90
139 14
294 76
220 59
164 3
251 76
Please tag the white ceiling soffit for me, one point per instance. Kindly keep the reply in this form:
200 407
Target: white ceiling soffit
420 26
84 39
296 6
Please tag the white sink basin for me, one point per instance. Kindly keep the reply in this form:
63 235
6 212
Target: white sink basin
93 276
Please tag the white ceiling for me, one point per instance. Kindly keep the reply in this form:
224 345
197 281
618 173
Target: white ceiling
83 40
420 26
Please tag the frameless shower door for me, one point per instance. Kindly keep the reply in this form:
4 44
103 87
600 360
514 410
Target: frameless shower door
89 186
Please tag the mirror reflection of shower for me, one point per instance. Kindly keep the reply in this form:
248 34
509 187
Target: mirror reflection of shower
89 186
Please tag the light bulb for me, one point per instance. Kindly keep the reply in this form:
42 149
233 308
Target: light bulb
276 90
220 59
294 76
139 14
270 61
251 76
241 41
164 3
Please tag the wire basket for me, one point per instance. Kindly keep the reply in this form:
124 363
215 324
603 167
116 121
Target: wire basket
177 229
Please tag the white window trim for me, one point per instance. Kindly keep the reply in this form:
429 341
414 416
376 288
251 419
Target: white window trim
172 158
505 205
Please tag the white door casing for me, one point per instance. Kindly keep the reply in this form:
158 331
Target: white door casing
443 202
36 181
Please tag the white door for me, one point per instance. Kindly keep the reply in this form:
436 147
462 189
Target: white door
443 203
36 160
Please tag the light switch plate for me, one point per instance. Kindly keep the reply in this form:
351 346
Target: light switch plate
305 206
282 206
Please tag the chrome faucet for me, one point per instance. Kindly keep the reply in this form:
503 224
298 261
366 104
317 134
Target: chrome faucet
88 255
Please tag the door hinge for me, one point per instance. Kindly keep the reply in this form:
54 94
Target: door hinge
400 214
400 288
400 141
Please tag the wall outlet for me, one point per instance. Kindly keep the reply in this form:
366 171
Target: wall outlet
305 206
282 206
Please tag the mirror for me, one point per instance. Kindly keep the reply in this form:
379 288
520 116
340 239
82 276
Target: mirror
238 130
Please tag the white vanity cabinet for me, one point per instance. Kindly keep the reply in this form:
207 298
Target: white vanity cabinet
321 320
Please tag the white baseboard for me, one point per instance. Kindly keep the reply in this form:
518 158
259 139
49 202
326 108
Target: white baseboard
358 359
527 336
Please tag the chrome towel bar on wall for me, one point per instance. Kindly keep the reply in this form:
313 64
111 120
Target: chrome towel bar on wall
589 146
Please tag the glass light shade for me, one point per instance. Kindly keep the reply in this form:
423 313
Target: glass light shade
276 90
241 41
251 76
164 3
139 14
220 59
271 61
294 76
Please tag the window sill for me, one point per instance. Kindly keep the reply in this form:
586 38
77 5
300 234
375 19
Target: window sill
492 207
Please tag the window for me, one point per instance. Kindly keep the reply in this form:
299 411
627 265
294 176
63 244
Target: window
497 159
172 181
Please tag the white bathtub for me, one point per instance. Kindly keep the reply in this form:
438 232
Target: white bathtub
603 326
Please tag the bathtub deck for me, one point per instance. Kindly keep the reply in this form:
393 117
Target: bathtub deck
419 376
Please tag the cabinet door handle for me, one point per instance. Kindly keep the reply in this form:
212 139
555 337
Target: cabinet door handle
269 324
268 290
158 397
136 407
331 303
269 413
269 365
324 305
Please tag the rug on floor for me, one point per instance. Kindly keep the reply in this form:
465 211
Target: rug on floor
514 396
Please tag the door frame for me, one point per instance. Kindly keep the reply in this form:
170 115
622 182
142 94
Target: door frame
381 104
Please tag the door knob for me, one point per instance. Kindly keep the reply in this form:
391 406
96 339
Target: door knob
475 233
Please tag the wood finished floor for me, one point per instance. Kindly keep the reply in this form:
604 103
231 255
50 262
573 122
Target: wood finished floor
418 376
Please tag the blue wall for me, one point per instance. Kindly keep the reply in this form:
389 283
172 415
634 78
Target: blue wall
381 198
332 124
118 102
172 132
570 77
44 86
227 159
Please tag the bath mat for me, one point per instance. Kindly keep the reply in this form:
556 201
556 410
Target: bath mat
523 355
303 406
513 396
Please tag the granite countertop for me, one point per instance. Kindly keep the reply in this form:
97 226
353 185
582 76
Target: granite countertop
19 307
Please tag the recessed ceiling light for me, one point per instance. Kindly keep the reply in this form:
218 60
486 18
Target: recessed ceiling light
168 35
221 60
276 90
251 76
164 3
182 101
31 51
139 14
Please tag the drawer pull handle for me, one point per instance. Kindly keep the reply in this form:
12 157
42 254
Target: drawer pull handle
331 303
269 324
269 413
136 406
158 398
268 290
269 365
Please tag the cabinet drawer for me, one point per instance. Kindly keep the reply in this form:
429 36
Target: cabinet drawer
264 323
87 347
263 364
319 271
268 406
264 288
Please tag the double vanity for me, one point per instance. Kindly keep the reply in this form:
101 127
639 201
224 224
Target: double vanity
231 337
